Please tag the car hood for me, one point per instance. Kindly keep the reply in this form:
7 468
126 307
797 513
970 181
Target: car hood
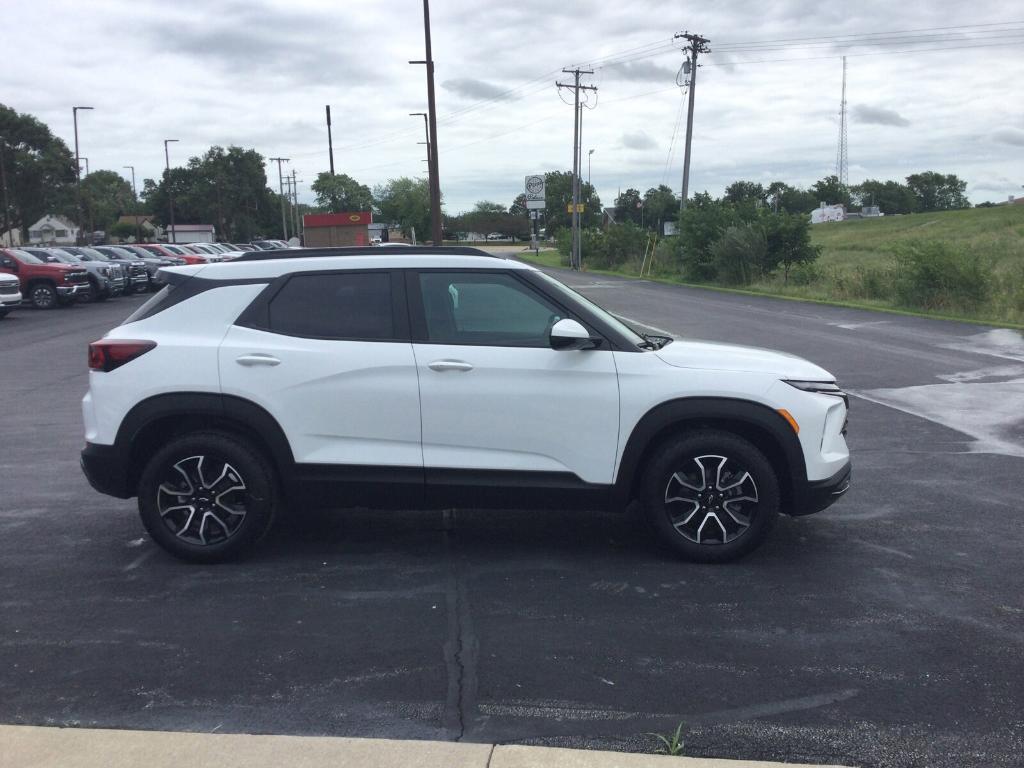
708 355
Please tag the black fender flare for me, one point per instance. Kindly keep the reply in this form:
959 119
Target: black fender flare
236 413
769 430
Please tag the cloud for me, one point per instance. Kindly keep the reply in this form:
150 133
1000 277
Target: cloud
472 88
862 113
641 71
638 140
1011 136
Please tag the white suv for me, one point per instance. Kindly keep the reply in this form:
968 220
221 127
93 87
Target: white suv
413 378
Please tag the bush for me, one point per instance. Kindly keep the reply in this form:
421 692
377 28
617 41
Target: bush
739 253
620 243
933 275
563 242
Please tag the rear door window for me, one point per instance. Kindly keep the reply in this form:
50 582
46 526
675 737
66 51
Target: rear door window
352 305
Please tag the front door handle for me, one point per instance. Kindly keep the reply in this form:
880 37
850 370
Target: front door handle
257 359
450 365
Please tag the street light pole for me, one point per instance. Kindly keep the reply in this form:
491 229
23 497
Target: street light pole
135 200
170 191
78 173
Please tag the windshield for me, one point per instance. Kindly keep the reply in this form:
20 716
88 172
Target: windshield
65 258
25 257
92 254
121 253
563 290
176 249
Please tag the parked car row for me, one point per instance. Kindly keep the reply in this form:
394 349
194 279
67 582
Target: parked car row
53 277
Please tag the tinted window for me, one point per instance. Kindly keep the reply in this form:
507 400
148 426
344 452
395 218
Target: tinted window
354 305
482 308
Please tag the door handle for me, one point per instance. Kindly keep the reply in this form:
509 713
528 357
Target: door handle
450 365
257 359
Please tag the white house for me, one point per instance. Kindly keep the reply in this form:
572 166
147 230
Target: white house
192 233
53 230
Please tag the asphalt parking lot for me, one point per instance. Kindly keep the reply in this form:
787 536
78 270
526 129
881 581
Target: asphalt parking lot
886 631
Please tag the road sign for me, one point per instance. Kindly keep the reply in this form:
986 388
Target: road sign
579 207
534 192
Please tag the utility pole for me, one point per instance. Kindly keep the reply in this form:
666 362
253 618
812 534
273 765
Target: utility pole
697 45
434 180
575 258
135 200
330 142
170 189
78 173
280 190
295 204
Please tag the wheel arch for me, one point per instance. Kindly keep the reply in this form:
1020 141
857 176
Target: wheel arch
162 417
755 422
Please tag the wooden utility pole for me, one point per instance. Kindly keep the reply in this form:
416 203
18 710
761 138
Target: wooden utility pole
3 186
280 191
697 44
434 181
575 258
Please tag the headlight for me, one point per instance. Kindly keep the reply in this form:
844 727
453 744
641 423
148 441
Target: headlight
822 388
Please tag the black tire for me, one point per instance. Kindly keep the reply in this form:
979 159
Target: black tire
682 464
43 296
173 468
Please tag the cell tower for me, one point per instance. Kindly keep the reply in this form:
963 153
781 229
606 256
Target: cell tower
842 160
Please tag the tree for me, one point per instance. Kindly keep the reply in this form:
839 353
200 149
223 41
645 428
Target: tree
782 197
890 196
340 192
518 207
40 171
105 196
745 193
788 241
938 192
226 188
405 202
702 223
558 195
831 192
660 205
628 206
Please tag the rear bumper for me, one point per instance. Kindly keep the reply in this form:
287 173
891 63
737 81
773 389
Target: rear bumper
821 494
106 470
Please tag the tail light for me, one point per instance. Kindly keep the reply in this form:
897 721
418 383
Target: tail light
108 354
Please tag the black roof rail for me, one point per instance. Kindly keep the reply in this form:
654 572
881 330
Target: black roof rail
365 250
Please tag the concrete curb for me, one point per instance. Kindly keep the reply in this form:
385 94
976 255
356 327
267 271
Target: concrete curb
37 747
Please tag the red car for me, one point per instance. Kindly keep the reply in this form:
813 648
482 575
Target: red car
170 251
45 285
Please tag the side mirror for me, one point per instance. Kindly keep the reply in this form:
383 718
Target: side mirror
569 334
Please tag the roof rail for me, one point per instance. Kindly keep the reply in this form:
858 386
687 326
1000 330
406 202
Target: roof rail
365 250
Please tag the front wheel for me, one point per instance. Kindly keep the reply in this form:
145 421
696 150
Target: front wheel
712 496
207 497
43 296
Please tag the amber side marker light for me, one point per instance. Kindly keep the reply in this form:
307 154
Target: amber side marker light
789 418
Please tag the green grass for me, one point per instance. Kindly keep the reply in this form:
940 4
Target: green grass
857 264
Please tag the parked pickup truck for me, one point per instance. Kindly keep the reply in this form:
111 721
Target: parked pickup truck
10 293
45 285
105 280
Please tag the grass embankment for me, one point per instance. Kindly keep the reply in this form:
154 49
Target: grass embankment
864 263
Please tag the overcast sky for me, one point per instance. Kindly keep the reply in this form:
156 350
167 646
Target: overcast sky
259 74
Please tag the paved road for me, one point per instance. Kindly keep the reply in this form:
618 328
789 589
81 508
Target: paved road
887 631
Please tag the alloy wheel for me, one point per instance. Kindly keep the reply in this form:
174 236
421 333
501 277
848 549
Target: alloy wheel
202 500
711 499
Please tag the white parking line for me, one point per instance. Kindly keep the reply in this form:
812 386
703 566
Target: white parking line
139 560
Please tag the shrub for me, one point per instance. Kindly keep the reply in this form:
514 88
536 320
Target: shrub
739 254
563 242
933 275
620 243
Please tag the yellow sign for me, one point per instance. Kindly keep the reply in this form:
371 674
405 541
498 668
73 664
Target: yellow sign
579 208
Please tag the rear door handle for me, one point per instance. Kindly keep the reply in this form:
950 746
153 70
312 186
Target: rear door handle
450 365
257 359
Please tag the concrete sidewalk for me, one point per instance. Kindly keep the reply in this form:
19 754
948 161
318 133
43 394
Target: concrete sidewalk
35 747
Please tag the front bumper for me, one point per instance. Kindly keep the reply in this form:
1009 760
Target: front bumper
10 300
72 290
106 470
821 494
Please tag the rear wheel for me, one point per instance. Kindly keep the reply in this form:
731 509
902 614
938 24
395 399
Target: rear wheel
207 497
712 496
